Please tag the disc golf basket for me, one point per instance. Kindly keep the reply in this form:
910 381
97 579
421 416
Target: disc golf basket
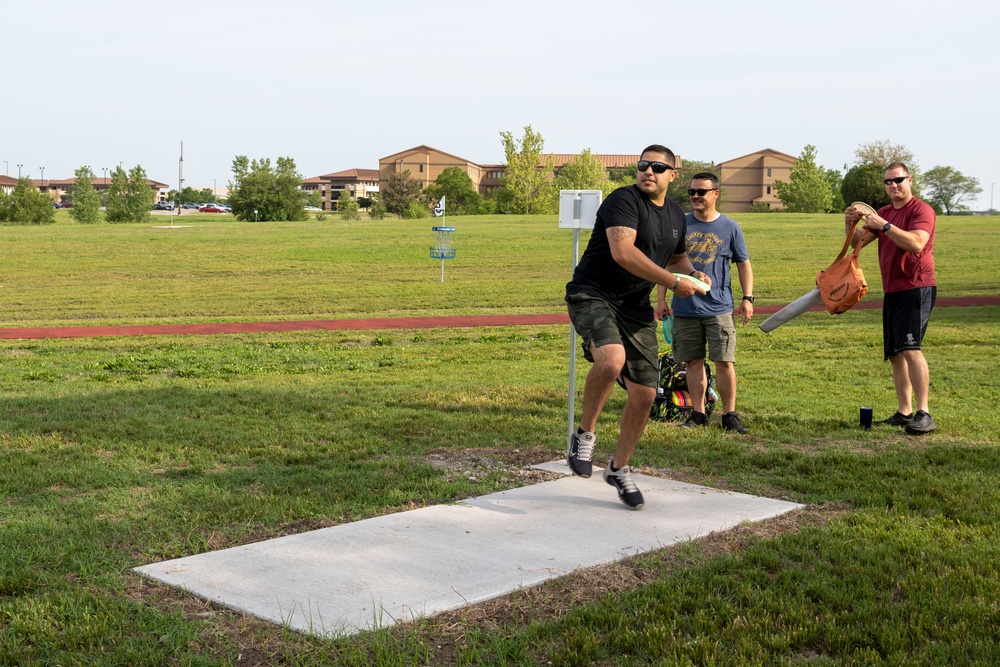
443 247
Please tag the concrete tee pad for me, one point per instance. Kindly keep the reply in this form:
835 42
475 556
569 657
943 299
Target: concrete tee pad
373 573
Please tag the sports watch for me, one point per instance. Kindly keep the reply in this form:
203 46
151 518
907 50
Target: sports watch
885 227
748 298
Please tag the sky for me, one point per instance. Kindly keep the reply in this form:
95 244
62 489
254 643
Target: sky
337 85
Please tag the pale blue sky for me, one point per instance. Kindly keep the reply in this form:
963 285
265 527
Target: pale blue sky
336 85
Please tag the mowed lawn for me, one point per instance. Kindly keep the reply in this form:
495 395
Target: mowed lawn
116 452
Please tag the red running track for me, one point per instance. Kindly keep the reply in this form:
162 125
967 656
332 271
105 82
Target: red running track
372 323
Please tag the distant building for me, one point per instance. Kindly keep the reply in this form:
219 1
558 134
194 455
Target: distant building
425 164
61 190
358 182
7 184
749 179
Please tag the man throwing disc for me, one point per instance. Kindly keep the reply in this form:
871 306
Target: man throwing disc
638 242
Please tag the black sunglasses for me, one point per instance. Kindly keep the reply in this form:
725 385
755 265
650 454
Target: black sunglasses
658 167
701 192
897 180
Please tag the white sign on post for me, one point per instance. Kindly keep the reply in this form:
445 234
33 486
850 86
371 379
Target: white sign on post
577 210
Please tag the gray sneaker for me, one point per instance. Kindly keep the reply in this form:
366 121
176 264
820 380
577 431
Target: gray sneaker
621 479
921 423
580 453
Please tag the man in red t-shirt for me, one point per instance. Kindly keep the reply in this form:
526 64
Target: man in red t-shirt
905 232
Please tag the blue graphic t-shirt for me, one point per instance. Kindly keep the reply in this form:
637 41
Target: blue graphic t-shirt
712 247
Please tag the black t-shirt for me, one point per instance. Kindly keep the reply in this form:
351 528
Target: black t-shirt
660 234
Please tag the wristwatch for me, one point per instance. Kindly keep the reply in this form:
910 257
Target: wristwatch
748 298
885 227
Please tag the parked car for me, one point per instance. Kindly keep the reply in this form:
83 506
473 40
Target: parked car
163 206
66 204
212 208
191 205
313 208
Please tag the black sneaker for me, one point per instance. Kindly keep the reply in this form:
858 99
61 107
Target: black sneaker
921 423
898 419
731 422
695 420
580 453
621 479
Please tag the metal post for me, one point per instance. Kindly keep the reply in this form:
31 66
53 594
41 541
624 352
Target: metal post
572 330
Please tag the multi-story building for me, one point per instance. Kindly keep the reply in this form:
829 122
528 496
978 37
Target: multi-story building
749 179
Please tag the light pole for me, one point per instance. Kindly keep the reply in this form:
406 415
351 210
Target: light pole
105 177
43 176
19 171
213 190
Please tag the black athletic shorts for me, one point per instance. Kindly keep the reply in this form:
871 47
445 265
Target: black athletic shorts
904 318
598 323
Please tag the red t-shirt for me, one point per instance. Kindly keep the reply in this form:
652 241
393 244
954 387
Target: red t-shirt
902 270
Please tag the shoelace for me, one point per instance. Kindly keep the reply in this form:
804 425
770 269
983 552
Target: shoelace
585 449
625 475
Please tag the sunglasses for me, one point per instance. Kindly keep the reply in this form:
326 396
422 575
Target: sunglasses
897 180
658 167
701 192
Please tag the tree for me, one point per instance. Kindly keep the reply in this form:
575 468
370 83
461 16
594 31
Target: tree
807 189
864 183
347 207
835 180
260 191
86 200
884 152
416 210
525 186
456 187
27 205
130 196
315 198
947 187
398 191
377 210
584 172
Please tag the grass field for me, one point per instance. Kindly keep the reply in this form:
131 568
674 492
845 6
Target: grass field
116 452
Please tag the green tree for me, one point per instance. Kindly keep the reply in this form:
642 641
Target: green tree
398 191
27 205
377 209
807 189
835 179
864 183
525 186
947 188
315 198
86 200
260 191
416 210
130 196
584 172
347 207
456 187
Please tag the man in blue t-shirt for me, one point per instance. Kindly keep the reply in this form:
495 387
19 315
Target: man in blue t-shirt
713 242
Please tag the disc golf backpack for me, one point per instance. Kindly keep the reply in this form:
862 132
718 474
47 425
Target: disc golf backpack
673 400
